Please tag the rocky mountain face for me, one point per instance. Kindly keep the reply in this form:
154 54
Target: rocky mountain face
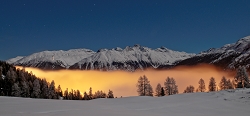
129 58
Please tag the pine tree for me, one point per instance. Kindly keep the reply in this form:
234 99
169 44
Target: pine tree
9 81
212 84
100 94
189 89
1 81
143 87
170 86
52 90
90 93
25 92
30 88
230 84
36 89
86 97
202 87
162 91
175 87
1 71
158 90
44 89
110 94
59 91
66 94
16 91
223 83
149 91
241 79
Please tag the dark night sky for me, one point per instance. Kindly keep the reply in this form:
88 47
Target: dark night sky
29 26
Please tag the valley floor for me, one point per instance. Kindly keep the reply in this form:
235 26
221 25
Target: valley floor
222 103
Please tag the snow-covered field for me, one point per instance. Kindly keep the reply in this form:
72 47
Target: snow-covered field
223 103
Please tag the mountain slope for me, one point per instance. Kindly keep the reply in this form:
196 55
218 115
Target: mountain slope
229 56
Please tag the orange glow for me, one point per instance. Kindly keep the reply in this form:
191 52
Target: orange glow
123 83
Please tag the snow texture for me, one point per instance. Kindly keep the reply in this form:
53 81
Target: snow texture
222 103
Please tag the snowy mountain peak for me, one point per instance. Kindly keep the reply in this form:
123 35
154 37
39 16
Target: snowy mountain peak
102 50
117 49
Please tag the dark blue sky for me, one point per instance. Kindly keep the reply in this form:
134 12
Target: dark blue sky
29 26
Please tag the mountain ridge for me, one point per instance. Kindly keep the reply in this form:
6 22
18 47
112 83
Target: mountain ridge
130 58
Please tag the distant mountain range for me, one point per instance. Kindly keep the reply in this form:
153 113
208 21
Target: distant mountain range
131 58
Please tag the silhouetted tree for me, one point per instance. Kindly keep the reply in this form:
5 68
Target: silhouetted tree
66 94
202 87
170 86
223 83
143 87
59 91
99 94
189 89
212 84
110 94
158 90
86 96
230 84
90 93
162 91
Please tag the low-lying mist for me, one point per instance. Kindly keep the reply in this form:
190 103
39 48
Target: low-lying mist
123 83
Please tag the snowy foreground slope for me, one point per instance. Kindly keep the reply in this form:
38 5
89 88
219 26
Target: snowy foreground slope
223 103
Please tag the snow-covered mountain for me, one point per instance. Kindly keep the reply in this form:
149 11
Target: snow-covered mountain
129 58
52 59
229 56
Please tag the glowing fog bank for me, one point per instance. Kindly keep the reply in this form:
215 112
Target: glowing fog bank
123 83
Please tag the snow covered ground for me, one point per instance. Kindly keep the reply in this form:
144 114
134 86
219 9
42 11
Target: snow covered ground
223 103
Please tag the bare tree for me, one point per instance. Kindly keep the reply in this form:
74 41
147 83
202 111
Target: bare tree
158 90
170 86
143 87
189 89
202 87
212 84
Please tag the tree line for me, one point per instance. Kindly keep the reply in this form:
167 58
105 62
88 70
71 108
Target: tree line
241 80
20 83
